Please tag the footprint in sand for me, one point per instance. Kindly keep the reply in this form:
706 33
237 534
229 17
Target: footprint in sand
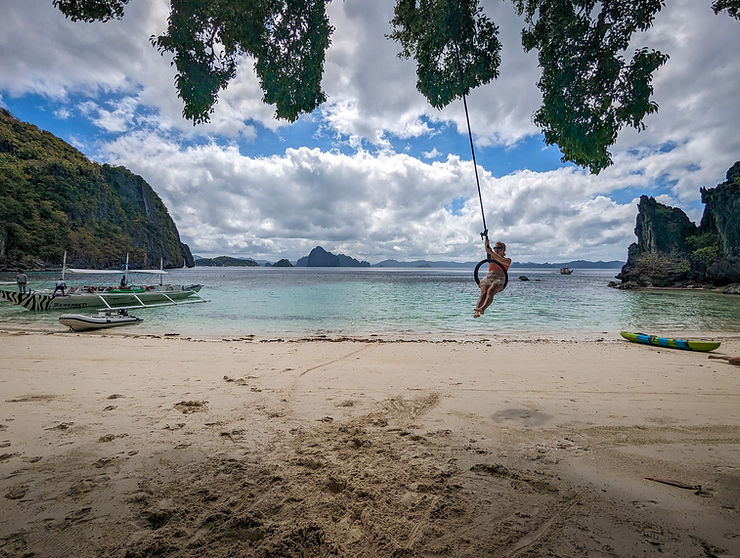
187 407
641 504
16 492
61 426
110 437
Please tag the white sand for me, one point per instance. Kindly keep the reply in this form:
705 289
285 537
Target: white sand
139 446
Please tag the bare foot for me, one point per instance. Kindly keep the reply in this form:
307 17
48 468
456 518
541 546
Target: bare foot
476 313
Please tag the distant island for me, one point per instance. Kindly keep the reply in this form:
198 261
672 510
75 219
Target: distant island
319 257
575 264
225 261
228 261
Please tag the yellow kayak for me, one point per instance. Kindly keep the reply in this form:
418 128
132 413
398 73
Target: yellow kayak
684 344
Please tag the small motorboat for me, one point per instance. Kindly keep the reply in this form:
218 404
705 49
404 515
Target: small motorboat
101 320
565 271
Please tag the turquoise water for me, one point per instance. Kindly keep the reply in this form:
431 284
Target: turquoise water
408 304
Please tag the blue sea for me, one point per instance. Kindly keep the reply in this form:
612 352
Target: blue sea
418 303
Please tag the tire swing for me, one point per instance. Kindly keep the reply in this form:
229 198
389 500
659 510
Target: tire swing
490 261
484 234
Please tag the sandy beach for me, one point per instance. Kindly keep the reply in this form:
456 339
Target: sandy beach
138 446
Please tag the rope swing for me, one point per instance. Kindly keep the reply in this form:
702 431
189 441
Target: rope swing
484 234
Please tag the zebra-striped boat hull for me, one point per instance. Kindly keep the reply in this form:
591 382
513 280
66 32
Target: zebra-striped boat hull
41 302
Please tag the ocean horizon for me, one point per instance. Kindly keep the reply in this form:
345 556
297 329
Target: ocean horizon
406 304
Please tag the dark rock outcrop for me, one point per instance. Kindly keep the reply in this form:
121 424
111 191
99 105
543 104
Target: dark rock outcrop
318 257
673 252
282 263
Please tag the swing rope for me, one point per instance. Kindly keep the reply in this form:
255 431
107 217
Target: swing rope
484 234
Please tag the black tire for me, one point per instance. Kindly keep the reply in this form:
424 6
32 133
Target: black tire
489 260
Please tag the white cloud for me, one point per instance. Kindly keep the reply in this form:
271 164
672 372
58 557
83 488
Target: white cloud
370 206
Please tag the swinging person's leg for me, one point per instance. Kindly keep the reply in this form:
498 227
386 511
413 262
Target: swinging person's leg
494 289
485 284
488 299
481 300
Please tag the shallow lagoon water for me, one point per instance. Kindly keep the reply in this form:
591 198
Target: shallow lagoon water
418 303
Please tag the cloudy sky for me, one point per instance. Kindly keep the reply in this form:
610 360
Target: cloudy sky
375 172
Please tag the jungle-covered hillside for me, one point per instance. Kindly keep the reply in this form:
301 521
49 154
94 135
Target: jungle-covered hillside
53 198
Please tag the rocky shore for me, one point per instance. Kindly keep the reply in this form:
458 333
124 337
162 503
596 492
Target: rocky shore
671 251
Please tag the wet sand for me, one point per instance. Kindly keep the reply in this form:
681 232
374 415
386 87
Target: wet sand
137 446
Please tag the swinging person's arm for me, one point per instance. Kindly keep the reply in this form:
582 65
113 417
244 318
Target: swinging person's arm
489 250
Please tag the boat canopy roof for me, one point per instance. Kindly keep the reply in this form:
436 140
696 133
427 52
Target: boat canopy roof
119 272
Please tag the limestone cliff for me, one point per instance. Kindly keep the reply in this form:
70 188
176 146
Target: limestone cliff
53 199
671 251
318 257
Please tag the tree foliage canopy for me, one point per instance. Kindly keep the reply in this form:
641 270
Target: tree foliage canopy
455 45
590 92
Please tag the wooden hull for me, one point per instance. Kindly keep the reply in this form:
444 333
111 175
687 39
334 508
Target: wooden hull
684 344
101 298
79 322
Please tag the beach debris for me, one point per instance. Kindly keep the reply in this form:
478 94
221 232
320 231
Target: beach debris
678 484
114 396
731 360
237 381
28 398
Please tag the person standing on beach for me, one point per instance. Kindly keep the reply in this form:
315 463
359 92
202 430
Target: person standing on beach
22 281
494 282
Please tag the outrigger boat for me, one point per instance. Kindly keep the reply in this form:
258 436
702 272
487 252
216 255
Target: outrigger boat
108 297
103 319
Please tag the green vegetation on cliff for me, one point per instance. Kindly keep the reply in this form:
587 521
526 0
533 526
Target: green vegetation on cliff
52 199
225 261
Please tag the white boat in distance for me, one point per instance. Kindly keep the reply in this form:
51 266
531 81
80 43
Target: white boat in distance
110 297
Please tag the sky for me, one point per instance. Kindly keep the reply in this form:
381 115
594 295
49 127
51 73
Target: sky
375 172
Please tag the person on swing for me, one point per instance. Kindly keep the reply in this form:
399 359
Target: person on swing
492 283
